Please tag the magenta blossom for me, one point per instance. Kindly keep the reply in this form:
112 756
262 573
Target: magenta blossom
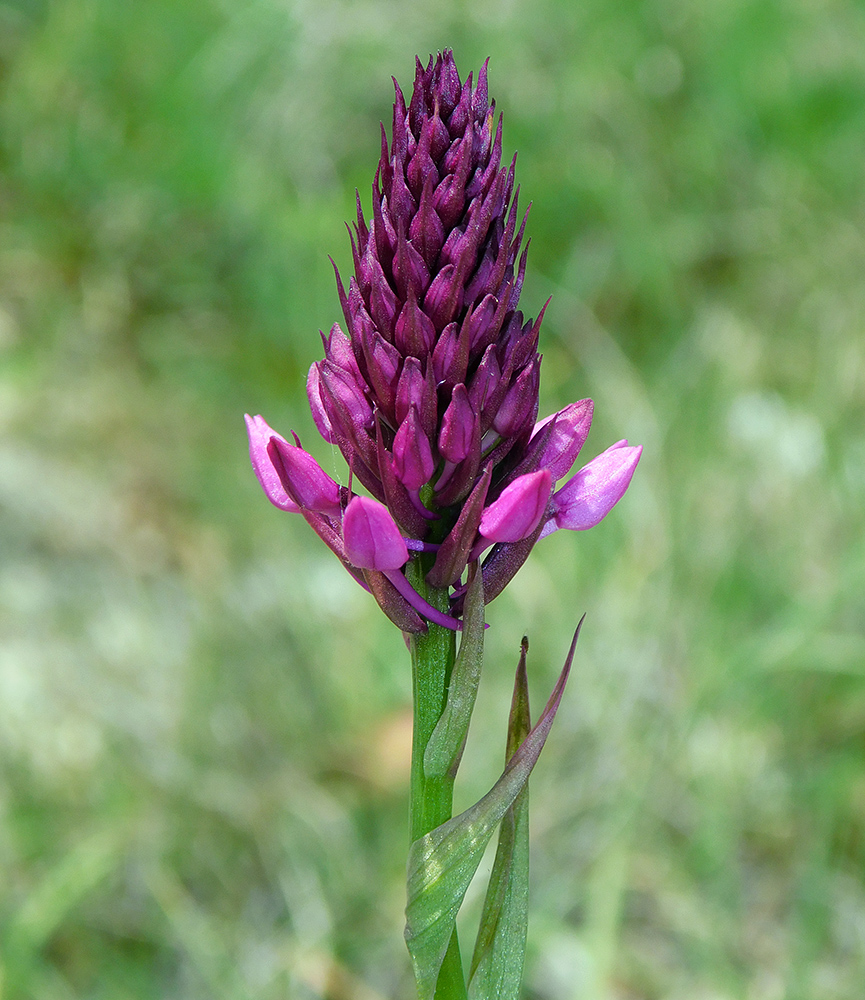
432 394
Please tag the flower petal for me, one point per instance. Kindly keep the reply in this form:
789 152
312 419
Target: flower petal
591 494
372 538
304 479
260 435
519 509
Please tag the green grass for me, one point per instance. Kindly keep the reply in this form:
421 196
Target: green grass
203 720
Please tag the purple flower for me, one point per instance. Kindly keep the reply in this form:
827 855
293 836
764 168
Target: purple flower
431 394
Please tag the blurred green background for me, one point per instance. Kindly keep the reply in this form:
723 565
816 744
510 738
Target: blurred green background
204 721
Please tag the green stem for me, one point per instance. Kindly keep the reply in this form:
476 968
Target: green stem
431 800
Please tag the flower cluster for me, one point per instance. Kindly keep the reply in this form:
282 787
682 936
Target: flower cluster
432 394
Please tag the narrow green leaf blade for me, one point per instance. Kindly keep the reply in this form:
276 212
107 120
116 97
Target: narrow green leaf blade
442 863
445 747
497 964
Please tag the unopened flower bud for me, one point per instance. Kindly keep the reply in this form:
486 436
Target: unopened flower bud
303 478
455 438
372 539
412 456
591 494
519 509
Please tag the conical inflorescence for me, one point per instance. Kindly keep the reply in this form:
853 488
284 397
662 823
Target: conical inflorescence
431 390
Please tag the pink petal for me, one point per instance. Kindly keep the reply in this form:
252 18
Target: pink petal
591 494
372 538
260 435
519 509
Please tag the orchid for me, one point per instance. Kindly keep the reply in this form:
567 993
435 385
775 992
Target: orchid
430 393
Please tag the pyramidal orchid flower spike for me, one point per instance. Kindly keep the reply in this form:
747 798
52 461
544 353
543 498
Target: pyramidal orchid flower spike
430 392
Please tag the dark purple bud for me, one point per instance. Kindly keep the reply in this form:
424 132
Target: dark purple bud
449 84
434 140
414 388
480 100
414 334
400 502
519 509
338 349
426 231
381 242
479 321
304 480
520 405
444 297
450 360
485 382
461 114
452 487
383 303
449 198
344 399
372 539
382 364
409 268
455 437
412 456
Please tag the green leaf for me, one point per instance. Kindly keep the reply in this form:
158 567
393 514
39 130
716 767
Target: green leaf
497 964
445 747
442 863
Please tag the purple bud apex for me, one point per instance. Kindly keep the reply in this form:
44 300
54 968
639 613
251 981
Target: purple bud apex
592 493
566 437
426 231
444 296
485 381
412 456
413 388
414 333
382 363
409 268
344 398
383 303
372 539
260 436
519 509
480 321
338 349
455 438
304 479
520 405
451 356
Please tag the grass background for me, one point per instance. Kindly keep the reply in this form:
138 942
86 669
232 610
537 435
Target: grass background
204 722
